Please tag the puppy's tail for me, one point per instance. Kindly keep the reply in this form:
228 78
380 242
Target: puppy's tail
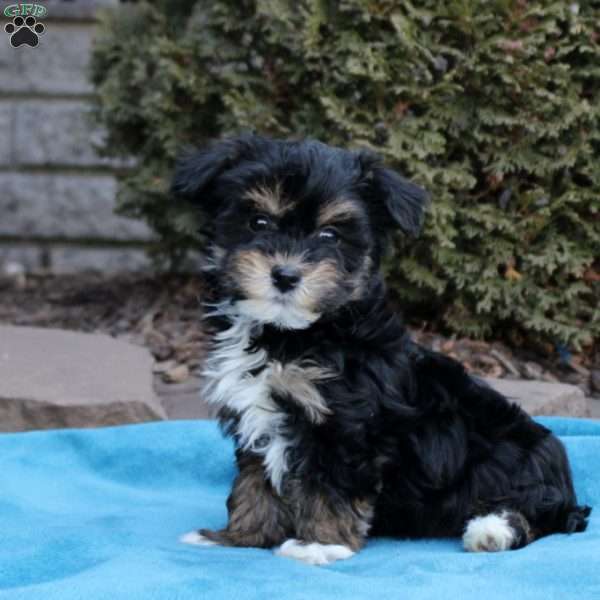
574 519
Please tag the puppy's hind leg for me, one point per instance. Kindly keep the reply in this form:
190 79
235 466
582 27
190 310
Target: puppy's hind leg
495 532
327 529
257 516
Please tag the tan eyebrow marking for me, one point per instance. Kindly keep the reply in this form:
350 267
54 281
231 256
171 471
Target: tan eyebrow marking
338 210
269 199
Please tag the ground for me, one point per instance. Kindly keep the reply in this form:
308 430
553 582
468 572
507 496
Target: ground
163 313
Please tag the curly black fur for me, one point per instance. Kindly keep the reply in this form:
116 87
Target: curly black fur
404 430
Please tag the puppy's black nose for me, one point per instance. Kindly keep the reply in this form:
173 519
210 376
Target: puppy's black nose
285 278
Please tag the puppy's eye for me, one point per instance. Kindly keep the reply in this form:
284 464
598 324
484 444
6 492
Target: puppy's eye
260 223
329 234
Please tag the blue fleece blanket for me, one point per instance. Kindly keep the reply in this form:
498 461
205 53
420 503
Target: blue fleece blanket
96 514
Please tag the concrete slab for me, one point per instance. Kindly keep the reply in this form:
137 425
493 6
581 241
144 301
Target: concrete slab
53 378
595 408
544 398
183 400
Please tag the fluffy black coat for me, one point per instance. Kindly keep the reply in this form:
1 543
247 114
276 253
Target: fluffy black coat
403 430
452 447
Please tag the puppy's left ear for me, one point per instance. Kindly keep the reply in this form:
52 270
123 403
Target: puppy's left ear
197 171
403 200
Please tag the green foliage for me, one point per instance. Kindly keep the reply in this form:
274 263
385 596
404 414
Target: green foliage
493 105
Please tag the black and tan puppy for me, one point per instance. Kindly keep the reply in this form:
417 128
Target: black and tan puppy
344 427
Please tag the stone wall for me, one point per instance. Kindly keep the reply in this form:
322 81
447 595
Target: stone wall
57 195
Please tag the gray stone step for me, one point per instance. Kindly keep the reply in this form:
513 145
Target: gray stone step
544 398
595 408
183 400
52 378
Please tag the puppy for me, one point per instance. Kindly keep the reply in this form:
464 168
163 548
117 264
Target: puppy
344 427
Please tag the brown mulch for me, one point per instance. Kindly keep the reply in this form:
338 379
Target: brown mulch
163 312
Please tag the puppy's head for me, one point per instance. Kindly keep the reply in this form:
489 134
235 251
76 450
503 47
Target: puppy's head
297 227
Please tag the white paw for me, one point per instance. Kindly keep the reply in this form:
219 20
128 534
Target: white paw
195 539
490 533
313 553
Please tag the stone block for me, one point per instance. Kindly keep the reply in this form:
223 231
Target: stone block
6 117
64 206
28 257
52 379
61 259
58 65
56 132
544 398
73 259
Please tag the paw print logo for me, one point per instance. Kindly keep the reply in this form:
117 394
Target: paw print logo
24 31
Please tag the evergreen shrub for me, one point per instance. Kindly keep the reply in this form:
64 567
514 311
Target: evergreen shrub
493 105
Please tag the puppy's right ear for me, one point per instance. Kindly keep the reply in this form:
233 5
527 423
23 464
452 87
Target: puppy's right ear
404 202
196 171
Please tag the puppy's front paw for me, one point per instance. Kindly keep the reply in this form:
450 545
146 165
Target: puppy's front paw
313 553
195 538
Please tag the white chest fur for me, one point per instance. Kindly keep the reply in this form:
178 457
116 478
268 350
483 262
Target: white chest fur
243 380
